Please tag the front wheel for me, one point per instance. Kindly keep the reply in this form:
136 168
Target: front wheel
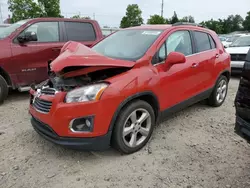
3 89
219 93
133 127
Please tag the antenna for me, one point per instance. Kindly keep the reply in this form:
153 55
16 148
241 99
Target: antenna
162 7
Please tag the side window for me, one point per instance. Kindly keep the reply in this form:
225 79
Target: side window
213 45
80 31
202 41
162 53
45 31
180 41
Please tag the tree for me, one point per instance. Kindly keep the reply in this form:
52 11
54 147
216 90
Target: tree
50 8
24 9
213 25
80 17
246 22
133 16
189 19
156 19
174 18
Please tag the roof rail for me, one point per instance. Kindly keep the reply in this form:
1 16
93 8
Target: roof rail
187 23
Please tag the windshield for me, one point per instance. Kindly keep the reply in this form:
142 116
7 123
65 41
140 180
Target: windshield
5 32
127 44
241 41
232 39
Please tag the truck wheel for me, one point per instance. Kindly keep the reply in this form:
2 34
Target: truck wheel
219 93
3 89
133 127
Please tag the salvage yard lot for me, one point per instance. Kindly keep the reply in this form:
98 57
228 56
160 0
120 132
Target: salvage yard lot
196 147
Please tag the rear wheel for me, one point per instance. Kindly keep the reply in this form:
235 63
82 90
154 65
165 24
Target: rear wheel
3 89
219 93
133 127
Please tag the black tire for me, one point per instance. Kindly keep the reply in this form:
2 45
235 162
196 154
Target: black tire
117 135
212 100
3 89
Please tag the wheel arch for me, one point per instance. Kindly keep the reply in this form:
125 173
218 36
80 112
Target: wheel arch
147 96
6 76
225 73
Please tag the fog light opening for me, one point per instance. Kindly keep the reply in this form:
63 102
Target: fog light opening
84 124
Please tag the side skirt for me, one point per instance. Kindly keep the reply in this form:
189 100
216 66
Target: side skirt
182 105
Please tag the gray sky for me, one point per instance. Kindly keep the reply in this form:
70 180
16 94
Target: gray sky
110 12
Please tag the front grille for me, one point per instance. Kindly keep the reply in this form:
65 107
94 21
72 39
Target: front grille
238 57
48 91
42 105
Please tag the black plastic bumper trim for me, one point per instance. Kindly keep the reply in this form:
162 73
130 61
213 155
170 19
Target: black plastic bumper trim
89 144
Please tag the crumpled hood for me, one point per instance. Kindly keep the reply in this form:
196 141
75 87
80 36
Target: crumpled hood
74 54
237 50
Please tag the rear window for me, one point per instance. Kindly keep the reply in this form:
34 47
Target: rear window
80 31
202 41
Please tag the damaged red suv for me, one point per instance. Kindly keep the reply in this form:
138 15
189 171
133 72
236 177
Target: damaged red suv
114 93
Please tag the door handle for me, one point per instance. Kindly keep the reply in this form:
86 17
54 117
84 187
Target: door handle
217 55
194 65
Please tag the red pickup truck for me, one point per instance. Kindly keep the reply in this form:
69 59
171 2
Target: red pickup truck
28 45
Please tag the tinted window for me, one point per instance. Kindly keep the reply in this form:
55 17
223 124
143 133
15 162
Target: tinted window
129 44
80 31
45 31
179 41
213 45
202 41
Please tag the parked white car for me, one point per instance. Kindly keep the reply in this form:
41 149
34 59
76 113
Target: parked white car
238 51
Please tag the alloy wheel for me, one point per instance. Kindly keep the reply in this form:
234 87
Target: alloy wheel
136 128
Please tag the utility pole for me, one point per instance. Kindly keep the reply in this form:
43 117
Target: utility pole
162 7
93 16
1 15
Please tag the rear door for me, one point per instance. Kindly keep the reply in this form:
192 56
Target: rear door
30 59
206 56
83 32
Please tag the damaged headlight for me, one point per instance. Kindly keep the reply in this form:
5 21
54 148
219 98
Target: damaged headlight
86 93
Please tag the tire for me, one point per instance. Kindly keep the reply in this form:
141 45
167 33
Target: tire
124 120
213 99
4 90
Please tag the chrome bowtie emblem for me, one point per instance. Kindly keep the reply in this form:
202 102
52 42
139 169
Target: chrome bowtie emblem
37 95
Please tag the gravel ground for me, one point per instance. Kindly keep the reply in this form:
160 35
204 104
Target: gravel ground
195 148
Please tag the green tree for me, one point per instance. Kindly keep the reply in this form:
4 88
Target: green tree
213 25
246 22
174 18
50 8
81 17
156 19
133 16
189 19
24 9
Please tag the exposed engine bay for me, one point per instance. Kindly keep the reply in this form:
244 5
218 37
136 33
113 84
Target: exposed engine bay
61 83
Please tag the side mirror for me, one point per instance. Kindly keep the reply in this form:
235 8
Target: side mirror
175 58
27 37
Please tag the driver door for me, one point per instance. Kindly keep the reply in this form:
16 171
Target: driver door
177 81
30 59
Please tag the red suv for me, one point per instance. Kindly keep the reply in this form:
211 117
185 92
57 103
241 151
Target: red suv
28 45
115 92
